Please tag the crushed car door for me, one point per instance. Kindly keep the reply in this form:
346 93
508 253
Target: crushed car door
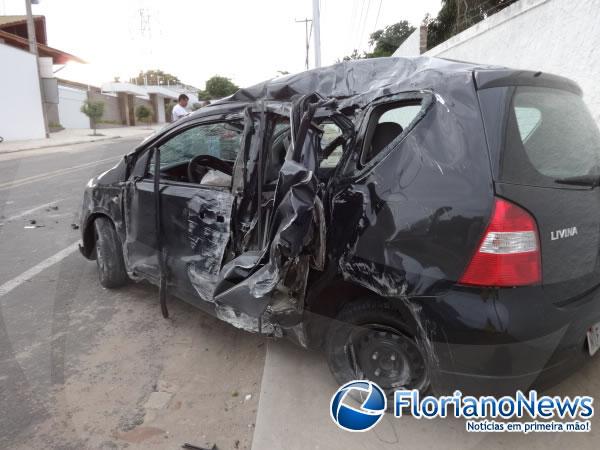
271 276
196 214
195 197
139 215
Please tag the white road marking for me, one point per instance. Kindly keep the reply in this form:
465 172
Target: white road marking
55 173
35 270
32 210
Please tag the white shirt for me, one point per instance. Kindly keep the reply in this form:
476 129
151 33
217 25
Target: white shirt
178 112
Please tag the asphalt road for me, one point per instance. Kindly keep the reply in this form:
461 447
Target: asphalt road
85 367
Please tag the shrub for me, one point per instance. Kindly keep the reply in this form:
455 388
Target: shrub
143 113
94 110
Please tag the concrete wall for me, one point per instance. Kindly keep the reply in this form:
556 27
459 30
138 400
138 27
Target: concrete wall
69 107
21 115
556 36
159 109
415 44
112 112
52 115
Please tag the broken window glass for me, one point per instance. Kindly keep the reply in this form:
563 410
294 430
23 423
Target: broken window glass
221 140
331 132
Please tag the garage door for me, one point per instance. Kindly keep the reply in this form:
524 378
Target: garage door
70 101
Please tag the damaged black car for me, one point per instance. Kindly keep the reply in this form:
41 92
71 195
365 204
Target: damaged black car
429 224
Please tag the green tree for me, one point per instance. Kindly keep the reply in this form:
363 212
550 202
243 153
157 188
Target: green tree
354 55
94 110
143 113
386 41
217 87
155 77
458 15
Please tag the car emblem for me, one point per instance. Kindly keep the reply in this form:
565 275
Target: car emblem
564 233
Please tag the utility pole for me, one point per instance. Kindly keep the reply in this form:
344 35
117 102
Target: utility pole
33 49
317 25
306 36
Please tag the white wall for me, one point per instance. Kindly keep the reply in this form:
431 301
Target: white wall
21 115
69 107
411 46
556 36
160 109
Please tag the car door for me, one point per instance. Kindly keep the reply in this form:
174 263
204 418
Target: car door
374 187
267 282
195 218
247 248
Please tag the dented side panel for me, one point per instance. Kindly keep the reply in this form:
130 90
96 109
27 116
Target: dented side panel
415 214
208 232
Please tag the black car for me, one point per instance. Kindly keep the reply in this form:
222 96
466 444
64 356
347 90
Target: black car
429 223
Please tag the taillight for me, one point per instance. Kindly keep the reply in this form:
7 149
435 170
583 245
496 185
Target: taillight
509 253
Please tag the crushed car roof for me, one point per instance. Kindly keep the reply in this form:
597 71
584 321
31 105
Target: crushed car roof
363 77
354 83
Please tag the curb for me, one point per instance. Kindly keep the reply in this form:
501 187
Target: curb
65 144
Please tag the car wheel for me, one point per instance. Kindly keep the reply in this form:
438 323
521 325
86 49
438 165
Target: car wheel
369 340
109 255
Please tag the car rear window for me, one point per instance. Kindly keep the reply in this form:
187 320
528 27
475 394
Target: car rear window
549 134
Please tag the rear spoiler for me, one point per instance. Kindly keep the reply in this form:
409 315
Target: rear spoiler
485 79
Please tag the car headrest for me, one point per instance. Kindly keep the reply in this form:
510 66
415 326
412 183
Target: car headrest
385 132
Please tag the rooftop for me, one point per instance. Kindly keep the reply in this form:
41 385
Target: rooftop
13 32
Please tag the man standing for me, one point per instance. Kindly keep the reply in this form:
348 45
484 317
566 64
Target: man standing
179 109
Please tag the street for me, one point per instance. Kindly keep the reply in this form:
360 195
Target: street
86 367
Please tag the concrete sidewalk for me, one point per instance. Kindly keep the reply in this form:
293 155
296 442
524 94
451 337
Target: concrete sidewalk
77 136
293 413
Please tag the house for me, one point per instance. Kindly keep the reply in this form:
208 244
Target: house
21 109
21 113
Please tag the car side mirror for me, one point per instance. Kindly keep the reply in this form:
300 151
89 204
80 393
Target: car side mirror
140 168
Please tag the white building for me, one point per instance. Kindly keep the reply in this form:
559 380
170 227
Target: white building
22 100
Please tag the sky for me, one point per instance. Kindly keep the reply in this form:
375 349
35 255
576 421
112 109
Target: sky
246 40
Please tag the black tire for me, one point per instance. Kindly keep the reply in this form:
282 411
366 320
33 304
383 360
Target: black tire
109 255
370 339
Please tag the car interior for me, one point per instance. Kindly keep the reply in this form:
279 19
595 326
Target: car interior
206 154
386 123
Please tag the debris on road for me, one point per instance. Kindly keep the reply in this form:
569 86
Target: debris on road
194 447
32 225
74 226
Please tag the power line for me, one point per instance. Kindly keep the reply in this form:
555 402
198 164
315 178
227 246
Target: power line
306 35
362 29
377 17
357 28
350 31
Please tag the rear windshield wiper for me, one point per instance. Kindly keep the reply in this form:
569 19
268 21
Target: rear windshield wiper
581 180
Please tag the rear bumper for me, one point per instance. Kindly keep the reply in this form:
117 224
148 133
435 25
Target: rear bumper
493 342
